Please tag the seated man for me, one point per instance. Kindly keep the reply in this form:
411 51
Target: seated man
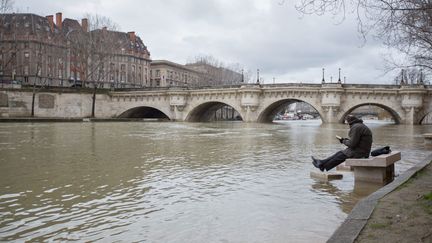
359 145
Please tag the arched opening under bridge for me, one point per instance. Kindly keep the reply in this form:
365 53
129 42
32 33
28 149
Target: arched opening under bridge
213 111
427 119
288 110
144 112
373 113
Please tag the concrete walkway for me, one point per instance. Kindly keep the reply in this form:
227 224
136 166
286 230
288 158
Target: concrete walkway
398 212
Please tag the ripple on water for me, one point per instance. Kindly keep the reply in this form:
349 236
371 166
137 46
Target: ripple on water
175 182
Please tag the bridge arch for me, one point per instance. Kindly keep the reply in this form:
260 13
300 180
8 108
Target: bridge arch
396 116
425 115
203 112
144 112
269 112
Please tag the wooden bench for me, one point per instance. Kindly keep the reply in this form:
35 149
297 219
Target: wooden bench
379 169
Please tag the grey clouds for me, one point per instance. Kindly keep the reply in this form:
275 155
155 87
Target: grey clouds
260 34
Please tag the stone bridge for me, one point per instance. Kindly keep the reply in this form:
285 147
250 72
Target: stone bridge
255 103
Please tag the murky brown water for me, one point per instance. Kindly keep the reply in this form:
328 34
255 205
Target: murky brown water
178 182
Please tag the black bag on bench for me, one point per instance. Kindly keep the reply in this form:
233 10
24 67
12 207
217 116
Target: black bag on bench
379 151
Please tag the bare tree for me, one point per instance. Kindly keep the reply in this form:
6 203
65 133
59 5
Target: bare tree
92 48
9 49
216 72
6 5
97 21
405 25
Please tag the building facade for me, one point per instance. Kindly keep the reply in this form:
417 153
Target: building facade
212 75
52 51
35 50
165 73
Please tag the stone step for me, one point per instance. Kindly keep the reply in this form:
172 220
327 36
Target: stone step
326 176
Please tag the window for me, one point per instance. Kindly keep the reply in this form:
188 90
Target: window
123 73
26 54
133 74
112 68
49 66
157 73
140 74
60 68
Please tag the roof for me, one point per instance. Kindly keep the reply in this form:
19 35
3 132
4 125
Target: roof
26 24
172 64
124 42
32 24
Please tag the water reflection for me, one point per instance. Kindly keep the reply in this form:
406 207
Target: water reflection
177 182
346 199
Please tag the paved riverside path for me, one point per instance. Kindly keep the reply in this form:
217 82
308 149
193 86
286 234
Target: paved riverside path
398 212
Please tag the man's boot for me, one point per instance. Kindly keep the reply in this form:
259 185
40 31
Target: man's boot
318 163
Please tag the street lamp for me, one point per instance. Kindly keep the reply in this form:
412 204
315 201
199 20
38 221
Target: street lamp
323 80
421 76
258 81
339 79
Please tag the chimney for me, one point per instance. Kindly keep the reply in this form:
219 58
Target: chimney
51 22
132 36
59 20
84 24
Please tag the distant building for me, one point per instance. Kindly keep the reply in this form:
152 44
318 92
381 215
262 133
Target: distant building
212 75
35 50
165 73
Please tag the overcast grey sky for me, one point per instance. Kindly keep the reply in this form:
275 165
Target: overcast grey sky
260 34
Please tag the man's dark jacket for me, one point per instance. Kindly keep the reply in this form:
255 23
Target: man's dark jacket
359 142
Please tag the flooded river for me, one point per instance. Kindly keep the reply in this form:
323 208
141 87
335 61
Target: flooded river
179 182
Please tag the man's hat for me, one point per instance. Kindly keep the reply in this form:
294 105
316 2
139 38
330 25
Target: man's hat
351 119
